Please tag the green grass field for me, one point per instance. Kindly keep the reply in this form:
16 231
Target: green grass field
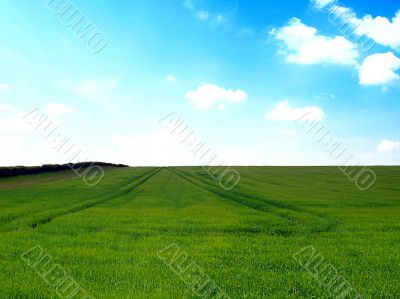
110 238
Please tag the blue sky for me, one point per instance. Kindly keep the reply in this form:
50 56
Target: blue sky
239 73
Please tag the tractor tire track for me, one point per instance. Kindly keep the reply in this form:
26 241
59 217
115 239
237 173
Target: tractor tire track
195 182
262 204
263 200
5 219
48 216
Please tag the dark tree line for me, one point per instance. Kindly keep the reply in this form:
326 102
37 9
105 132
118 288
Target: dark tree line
47 168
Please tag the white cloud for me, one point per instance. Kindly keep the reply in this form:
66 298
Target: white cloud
202 15
385 153
380 29
155 148
58 109
386 146
283 111
205 96
3 87
305 46
7 108
221 106
149 141
22 143
379 69
12 122
287 132
27 149
161 148
11 150
170 78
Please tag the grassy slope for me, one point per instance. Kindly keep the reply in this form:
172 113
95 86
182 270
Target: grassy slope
108 237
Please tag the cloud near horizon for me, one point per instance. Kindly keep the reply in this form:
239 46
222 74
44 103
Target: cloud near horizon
55 109
208 95
388 146
284 112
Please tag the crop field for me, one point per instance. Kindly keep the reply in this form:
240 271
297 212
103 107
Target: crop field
282 232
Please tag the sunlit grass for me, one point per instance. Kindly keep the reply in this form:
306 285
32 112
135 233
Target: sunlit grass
107 237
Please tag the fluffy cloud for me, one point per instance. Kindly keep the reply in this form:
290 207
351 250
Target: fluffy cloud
379 69
22 143
305 46
386 146
376 69
283 111
12 121
3 86
58 109
205 96
380 29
